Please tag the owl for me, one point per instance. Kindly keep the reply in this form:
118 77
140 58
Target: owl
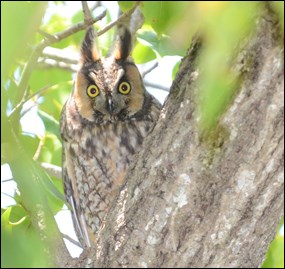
103 123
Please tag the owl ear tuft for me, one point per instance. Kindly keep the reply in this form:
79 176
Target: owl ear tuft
89 51
123 44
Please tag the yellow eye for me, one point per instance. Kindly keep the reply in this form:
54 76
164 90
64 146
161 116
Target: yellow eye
124 88
92 91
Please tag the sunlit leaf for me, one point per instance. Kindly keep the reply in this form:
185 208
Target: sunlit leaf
55 97
21 246
19 22
51 150
223 24
175 69
142 53
17 217
162 45
279 8
57 24
126 5
275 254
41 78
30 143
77 17
55 197
226 25
161 14
51 124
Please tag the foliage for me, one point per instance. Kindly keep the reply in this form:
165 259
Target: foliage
16 236
275 254
222 25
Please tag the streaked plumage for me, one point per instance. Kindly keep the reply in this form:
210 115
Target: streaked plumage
103 123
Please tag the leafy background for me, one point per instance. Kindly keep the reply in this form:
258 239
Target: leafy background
168 30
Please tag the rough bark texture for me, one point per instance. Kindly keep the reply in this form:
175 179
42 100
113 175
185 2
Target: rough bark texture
205 203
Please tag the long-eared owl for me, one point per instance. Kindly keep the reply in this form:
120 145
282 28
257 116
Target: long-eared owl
103 123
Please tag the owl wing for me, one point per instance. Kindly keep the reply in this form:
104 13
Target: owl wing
72 197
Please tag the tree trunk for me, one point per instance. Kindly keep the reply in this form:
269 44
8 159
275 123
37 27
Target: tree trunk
216 202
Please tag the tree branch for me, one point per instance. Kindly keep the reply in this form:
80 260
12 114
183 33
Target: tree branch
123 17
52 170
25 99
143 74
67 237
213 203
96 5
60 55
50 63
157 86
86 12
49 40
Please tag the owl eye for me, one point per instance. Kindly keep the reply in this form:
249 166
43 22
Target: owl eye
92 91
124 88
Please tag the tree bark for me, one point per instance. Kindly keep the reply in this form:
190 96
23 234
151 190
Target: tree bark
215 202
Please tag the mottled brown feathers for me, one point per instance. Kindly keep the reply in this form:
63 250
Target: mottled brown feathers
89 51
123 45
103 123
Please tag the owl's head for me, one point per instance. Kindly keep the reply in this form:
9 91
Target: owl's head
108 88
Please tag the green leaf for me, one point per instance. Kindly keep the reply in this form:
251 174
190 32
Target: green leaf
41 78
19 22
50 150
175 69
56 24
216 92
21 246
126 5
55 197
51 124
142 53
55 97
279 8
275 254
77 17
162 14
29 175
157 14
30 143
16 217
162 46
225 24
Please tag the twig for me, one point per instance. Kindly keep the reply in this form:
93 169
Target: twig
51 39
86 12
45 34
73 29
123 17
157 86
96 5
59 55
65 236
50 63
52 170
39 149
25 99
7 180
143 74
10 196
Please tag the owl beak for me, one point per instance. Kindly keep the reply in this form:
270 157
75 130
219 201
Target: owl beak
110 105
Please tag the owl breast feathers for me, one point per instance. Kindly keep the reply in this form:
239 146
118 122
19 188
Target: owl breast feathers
103 123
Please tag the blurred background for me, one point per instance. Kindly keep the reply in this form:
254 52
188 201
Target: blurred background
37 78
